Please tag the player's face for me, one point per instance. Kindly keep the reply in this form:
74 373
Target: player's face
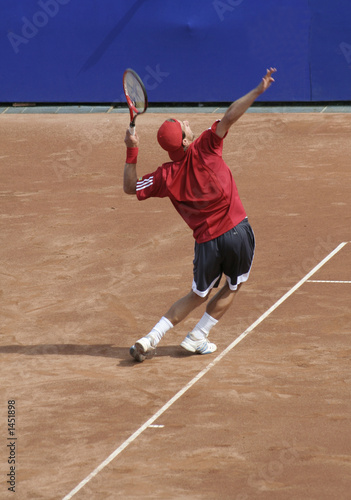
189 135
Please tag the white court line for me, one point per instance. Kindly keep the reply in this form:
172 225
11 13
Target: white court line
192 382
327 281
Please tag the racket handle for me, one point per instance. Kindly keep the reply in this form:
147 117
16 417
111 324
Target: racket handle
132 129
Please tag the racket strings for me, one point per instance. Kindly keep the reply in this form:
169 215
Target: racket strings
135 92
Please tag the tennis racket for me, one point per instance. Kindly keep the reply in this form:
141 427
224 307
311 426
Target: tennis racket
136 96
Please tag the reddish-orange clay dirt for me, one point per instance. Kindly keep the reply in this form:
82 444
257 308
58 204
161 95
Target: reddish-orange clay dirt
86 270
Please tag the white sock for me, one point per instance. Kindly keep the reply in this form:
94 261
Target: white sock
202 329
159 330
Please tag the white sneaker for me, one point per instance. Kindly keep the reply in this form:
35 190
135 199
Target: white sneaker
199 346
143 349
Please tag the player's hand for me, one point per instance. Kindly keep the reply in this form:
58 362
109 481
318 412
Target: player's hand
131 141
266 81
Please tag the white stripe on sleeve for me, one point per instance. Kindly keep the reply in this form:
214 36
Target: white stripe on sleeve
145 183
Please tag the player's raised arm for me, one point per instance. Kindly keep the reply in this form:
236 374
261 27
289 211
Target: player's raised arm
130 174
238 107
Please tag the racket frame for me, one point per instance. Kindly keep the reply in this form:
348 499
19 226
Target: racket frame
132 109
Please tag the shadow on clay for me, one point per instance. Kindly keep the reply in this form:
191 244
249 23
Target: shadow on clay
100 350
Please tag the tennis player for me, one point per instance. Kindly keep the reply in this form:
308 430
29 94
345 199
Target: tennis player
201 187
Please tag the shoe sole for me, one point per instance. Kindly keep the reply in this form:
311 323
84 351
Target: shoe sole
138 352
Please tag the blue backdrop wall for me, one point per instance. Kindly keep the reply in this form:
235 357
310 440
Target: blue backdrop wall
185 50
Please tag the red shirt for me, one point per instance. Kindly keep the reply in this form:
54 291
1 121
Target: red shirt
201 188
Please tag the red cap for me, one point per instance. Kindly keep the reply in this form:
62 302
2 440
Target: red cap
170 138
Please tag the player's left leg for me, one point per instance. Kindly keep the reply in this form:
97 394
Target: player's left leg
197 340
145 347
184 306
221 302
236 250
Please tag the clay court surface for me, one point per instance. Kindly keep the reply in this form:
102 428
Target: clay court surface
86 270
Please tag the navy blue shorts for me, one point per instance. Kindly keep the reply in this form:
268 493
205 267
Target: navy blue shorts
230 254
